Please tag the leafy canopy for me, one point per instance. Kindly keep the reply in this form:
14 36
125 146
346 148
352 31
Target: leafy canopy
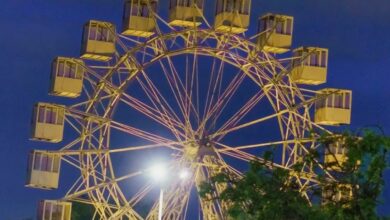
267 191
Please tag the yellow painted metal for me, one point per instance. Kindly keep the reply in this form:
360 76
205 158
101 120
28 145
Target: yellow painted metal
310 65
309 75
67 77
139 26
138 20
48 122
335 156
333 107
232 16
98 40
191 151
54 210
186 13
43 170
212 210
275 33
333 116
342 192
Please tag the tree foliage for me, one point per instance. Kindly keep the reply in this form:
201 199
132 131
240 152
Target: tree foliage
267 191
81 211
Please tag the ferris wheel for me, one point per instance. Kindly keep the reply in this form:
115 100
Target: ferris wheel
204 96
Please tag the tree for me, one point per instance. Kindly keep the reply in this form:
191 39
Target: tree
269 192
81 211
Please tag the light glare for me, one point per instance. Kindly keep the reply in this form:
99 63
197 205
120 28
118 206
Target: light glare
158 172
184 174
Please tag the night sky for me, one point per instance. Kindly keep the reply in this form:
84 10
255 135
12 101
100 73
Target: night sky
357 33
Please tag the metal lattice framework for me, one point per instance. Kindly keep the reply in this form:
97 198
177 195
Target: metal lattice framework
206 97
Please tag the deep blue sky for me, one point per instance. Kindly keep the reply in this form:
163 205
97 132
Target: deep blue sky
357 33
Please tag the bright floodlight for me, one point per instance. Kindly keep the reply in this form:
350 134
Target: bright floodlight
158 172
184 174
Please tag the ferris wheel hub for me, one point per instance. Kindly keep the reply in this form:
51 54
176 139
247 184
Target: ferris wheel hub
201 146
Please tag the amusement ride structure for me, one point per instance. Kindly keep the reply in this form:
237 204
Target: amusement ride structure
206 94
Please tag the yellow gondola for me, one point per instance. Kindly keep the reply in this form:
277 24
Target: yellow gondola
275 33
48 122
232 15
138 18
185 13
333 107
54 210
43 170
310 65
67 77
342 192
98 40
335 156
